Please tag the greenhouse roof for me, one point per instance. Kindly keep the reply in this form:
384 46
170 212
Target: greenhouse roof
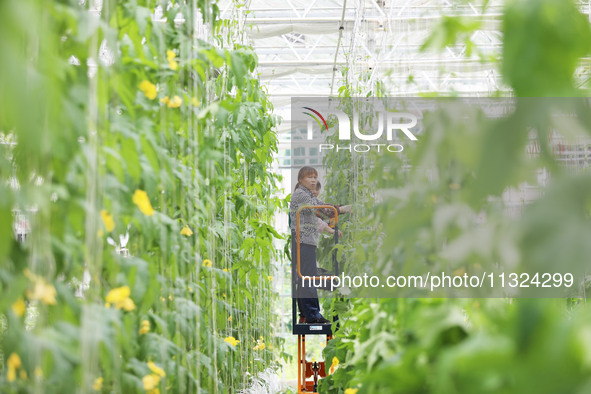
311 47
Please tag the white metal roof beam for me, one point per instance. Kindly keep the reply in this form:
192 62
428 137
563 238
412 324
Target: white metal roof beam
307 10
293 63
251 19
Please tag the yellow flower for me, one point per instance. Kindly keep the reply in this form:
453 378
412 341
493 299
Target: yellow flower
120 297
150 381
118 294
232 341
11 374
334 365
269 278
194 102
19 307
140 198
42 291
175 102
156 369
145 328
149 89
207 263
153 391
38 372
98 384
14 361
170 55
260 344
127 304
459 272
225 270
173 64
107 220
186 231
351 391
23 374
165 100
229 318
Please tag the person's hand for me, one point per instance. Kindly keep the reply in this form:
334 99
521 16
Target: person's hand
345 208
340 234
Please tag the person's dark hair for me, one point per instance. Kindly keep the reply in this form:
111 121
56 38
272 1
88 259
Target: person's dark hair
304 172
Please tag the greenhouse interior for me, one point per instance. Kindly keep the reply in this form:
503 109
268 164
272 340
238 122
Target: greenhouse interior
289 196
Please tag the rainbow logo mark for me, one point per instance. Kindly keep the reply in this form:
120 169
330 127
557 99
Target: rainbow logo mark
316 118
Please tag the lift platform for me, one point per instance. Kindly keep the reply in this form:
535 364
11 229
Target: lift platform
311 369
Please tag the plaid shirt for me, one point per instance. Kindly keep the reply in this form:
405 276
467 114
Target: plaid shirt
308 222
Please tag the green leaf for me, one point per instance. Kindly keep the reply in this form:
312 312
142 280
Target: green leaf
543 41
131 157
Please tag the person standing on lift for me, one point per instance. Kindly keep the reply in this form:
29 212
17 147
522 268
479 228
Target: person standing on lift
303 196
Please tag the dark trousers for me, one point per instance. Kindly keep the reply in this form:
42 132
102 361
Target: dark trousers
306 294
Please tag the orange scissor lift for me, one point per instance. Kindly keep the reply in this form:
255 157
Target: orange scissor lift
311 369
